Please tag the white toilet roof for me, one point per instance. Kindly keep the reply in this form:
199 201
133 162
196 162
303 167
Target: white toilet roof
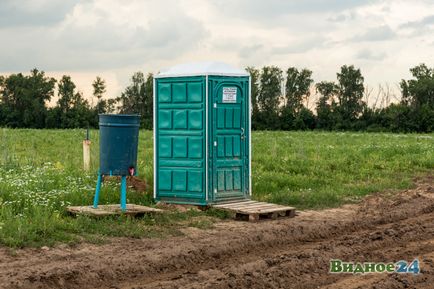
202 68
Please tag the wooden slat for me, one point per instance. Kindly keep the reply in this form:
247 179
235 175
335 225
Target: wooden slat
107 210
246 206
270 207
228 205
270 210
258 206
253 205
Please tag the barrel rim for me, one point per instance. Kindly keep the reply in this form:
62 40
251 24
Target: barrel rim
121 115
116 124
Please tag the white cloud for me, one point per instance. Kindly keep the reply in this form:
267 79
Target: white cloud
114 37
369 54
379 33
33 12
92 38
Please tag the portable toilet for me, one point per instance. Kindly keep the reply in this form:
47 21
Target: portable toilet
202 151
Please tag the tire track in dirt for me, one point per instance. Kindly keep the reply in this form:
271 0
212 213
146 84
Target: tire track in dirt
298 265
289 253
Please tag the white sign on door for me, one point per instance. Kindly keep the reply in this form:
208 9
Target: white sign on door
229 94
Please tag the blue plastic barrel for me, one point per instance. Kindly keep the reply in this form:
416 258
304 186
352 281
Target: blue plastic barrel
118 137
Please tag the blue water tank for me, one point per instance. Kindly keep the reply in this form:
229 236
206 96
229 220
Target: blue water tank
119 137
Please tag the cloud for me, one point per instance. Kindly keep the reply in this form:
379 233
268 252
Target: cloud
418 28
274 8
427 21
342 17
379 33
100 42
300 45
34 12
121 37
337 18
249 51
368 54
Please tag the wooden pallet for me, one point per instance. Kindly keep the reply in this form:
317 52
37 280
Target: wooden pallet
254 211
109 210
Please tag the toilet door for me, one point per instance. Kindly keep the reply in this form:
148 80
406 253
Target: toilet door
229 118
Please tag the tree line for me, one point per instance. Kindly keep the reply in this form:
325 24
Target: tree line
278 101
340 105
24 101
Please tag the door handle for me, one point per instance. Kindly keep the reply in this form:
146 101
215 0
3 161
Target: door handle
242 133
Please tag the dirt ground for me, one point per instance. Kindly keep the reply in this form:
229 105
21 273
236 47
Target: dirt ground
287 253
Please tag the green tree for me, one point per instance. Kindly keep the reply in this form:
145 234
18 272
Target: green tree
305 119
297 87
99 88
418 94
398 117
72 110
138 98
102 105
148 102
420 90
2 108
350 91
132 96
326 104
269 97
254 82
66 93
23 99
341 104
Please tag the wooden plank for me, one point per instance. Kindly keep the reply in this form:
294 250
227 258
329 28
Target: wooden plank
228 205
266 209
239 207
85 210
130 207
107 210
271 210
254 206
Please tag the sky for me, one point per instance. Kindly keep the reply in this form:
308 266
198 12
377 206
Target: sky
114 38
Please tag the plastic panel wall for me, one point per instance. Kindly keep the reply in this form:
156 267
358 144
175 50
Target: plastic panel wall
180 140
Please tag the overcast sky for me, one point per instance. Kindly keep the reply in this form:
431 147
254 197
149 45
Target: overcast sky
114 38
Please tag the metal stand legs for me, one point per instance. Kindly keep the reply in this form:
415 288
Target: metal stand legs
97 190
123 192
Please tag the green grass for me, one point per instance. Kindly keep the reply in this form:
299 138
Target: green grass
317 169
40 174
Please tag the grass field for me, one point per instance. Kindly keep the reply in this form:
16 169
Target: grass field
40 174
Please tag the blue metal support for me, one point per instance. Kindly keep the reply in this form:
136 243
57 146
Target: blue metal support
124 193
97 190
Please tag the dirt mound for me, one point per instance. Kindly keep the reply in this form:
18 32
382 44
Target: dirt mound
136 183
287 253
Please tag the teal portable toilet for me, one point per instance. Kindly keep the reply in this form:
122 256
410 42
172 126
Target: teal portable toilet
202 151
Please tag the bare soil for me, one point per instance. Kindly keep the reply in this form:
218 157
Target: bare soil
136 183
286 253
